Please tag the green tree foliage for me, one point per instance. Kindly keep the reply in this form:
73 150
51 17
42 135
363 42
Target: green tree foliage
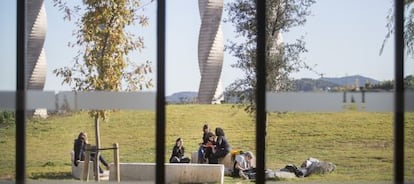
7 117
408 27
389 84
409 82
282 58
384 85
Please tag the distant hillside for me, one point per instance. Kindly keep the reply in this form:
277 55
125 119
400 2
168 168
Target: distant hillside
305 84
182 97
350 80
327 83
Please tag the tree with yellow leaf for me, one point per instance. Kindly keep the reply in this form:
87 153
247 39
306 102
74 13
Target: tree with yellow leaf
105 41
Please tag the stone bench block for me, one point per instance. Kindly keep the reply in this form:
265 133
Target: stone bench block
77 171
194 157
174 172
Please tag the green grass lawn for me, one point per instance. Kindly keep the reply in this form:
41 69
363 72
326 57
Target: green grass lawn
359 143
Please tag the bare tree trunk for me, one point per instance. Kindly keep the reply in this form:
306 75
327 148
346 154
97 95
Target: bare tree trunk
98 146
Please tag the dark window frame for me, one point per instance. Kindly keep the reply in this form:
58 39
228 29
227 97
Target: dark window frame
260 100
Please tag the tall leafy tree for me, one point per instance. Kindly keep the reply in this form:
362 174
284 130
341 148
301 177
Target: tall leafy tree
408 27
281 58
105 41
409 82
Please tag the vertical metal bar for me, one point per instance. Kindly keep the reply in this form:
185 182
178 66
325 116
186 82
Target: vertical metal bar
160 110
399 94
261 90
20 92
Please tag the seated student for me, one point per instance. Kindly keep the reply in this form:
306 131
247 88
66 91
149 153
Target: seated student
79 148
242 166
222 147
202 148
177 155
209 146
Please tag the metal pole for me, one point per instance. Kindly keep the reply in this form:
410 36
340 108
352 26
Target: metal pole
261 91
399 94
21 93
160 111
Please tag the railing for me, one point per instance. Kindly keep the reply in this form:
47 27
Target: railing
89 149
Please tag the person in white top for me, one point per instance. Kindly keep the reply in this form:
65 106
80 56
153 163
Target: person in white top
242 165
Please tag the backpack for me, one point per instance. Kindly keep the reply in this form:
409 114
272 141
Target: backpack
293 169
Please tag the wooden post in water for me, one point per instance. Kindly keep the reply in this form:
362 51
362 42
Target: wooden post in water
116 162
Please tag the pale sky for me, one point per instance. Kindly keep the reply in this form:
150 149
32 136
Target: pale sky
343 38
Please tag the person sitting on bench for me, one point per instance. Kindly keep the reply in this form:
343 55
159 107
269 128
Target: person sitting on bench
202 150
222 147
79 148
209 146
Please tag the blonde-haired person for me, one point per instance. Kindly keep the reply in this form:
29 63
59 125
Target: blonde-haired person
243 167
79 147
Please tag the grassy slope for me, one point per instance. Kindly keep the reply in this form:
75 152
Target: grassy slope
359 143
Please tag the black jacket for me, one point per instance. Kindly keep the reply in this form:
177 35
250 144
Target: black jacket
79 149
177 152
222 144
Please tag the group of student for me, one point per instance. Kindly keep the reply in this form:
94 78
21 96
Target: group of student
213 147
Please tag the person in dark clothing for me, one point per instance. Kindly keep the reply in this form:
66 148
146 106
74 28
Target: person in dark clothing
222 147
177 155
206 131
210 146
79 148
202 148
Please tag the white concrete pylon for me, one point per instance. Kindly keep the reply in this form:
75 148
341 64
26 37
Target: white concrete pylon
210 50
36 68
36 31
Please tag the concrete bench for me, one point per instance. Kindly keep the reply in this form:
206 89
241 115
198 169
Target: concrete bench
227 161
174 172
77 171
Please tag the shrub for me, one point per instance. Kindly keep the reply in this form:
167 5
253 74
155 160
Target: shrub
7 117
